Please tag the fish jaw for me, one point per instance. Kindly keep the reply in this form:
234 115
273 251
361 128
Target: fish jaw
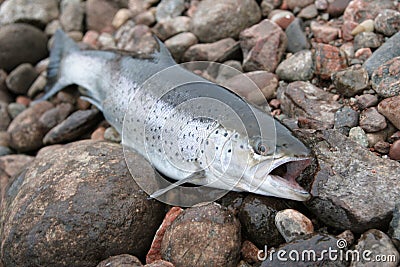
278 179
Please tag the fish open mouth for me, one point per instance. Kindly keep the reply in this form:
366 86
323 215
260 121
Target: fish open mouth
286 172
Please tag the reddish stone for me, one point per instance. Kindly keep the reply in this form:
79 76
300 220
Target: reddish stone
23 100
98 134
394 152
347 28
249 252
154 253
324 33
210 51
337 7
292 4
360 10
363 54
100 13
90 38
159 263
390 108
281 17
328 60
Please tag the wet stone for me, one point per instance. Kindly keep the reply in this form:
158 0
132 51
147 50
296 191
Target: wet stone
208 233
281 17
217 19
81 193
346 117
298 67
292 224
357 134
73 127
328 60
350 81
124 260
263 46
390 108
21 78
385 79
338 200
387 22
378 243
366 101
168 9
394 152
372 121
297 39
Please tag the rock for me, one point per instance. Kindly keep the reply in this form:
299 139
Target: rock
321 4
382 147
160 263
309 12
318 245
77 124
389 108
122 16
362 55
302 99
98 134
39 12
394 229
387 22
146 18
394 152
14 109
249 252
324 33
171 27
178 44
88 199
21 43
168 9
211 51
328 60
263 46
26 132
257 217
292 4
387 51
345 186
366 40
56 115
91 38
366 101
255 86
136 39
268 5
350 81
112 135
385 79
292 224
154 253
106 41
346 117
4 117
281 17
4 151
123 260
379 245
337 7
21 78
217 19
347 30
37 86
72 14
100 13
297 39
208 233
357 134
364 27
361 10
5 95
299 67
372 121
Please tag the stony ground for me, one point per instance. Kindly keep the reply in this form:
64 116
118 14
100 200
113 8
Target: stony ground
329 69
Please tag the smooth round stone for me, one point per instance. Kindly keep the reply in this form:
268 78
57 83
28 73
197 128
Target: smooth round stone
358 135
292 224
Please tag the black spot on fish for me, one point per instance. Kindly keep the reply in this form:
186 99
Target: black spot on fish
225 134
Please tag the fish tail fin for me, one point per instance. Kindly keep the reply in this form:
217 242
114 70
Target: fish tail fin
62 46
163 52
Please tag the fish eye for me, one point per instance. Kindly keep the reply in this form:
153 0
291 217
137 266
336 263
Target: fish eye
262 147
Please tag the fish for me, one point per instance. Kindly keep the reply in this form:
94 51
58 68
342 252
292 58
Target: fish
190 129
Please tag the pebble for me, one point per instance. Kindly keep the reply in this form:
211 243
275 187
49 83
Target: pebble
362 55
309 12
4 151
338 200
227 70
321 4
217 19
350 81
379 244
361 10
4 117
328 60
298 67
347 29
366 101
268 5
39 12
323 33
100 13
106 41
337 7
21 43
372 121
394 137
257 217
394 152
210 51
21 78
168 28
387 22
346 117
14 109
72 14
122 16
366 40
112 135
123 260
91 38
297 39
303 99
390 108
5 95
56 115
81 193
137 39
4 138
365 26
389 50
214 237
26 132
73 127
178 44
263 46
382 147
385 79
394 229
98 134
249 252
146 18
281 17
293 4
292 224
357 134
168 9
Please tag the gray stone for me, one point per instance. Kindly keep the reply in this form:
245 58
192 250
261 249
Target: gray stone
367 101
366 40
211 51
394 229
299 67
171 27
351 81
385 79
112 135
4 117
292 224
387 22
14 109
297 39
346 117
168 9
21 78
358 135
124 260
72 14
372 121
178 44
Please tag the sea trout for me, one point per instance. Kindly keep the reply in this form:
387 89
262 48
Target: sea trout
190 129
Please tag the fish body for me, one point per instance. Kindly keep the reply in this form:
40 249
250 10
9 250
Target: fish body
189 128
